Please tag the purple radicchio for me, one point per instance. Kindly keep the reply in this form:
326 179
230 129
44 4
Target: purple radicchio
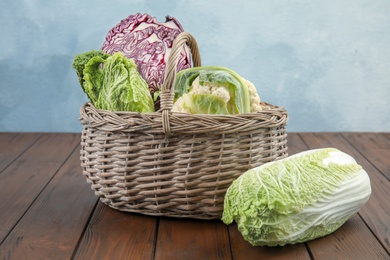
148 42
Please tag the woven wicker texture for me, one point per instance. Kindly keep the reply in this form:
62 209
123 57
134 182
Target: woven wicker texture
174 164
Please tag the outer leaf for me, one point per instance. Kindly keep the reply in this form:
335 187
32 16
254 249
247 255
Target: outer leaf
116 85
93 76
205 104
81 60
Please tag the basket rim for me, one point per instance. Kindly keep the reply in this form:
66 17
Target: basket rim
181 123
272 108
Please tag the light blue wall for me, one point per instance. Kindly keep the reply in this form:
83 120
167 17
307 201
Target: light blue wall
326 62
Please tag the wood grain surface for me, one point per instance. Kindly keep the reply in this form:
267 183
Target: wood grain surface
48 210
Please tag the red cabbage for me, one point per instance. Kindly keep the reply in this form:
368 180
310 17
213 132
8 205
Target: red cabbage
148 42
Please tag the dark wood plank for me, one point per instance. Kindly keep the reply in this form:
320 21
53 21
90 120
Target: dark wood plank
112 234
52 226
375 147
351 241
241 249
376 212
24 179
192 239
14 144
295 144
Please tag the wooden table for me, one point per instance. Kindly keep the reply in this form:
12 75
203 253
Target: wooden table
48 211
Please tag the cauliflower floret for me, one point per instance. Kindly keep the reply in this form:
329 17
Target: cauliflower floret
221 92
208 88
254 97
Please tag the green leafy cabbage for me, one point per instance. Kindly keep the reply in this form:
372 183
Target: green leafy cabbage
81 59
112 82
297 199
211 90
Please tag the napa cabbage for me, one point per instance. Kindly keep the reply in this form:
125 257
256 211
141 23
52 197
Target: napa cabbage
296 199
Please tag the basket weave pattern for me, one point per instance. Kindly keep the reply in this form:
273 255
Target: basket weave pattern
174 164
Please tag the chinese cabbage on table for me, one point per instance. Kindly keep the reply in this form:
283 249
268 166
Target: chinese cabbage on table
296 199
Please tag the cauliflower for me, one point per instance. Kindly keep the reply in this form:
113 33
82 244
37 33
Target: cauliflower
222 92
254 97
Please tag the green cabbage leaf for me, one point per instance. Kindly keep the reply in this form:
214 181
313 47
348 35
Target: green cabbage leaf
113 83
81 59
297 199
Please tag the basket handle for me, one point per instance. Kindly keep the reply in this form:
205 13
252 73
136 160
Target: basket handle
168 88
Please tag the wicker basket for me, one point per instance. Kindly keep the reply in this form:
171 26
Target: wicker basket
174 164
